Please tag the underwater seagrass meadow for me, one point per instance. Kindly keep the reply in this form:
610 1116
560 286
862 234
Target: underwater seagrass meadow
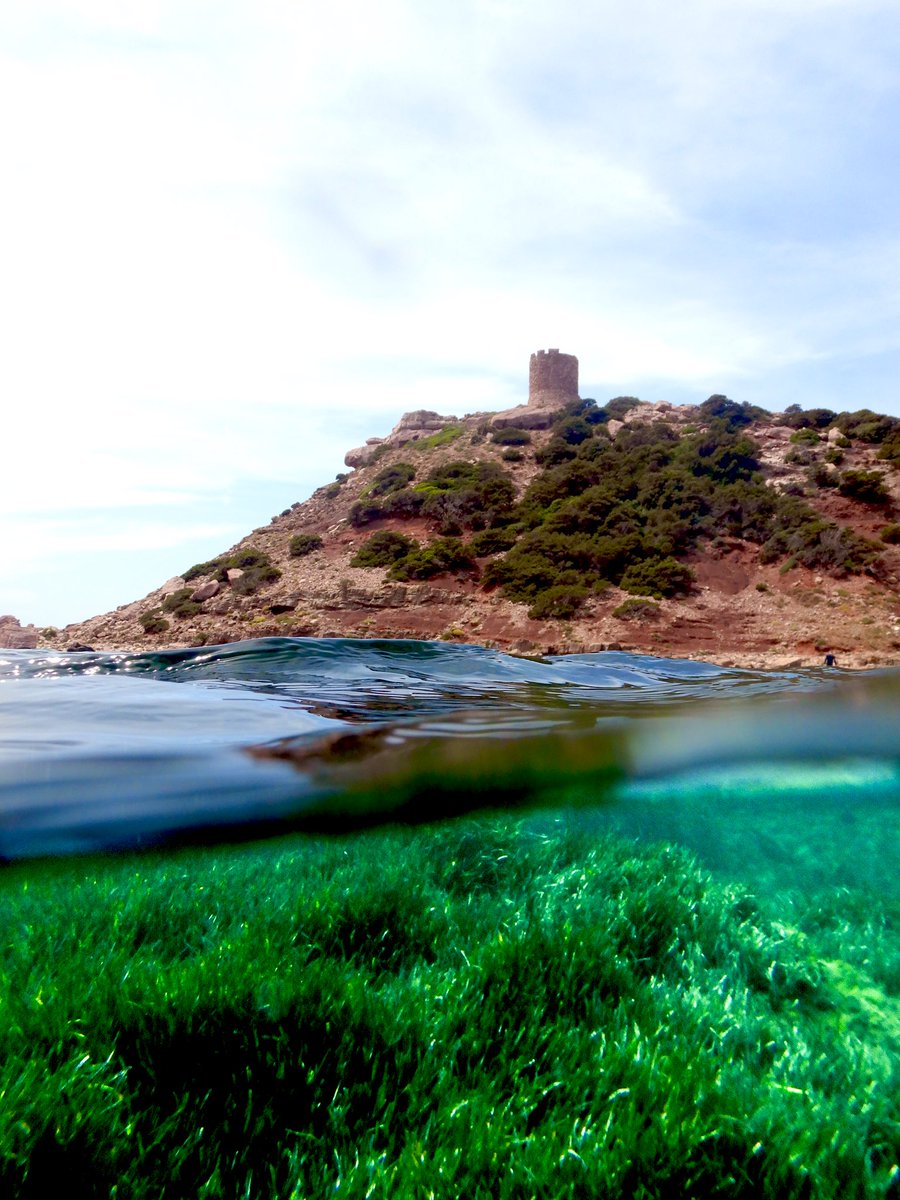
686 984
492 1008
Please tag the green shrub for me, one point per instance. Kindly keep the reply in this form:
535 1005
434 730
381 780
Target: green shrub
820 476
362 512
891 534
153 621
404 503
889 450
330 490
719 407
304 543
819 545
650 495
734 415
805 436
254 578
720 453
814 418
834 455
224 563
635 609
511 436
383 549
657 577
556 451
620 405
866 486
573 430
256 565
180 603
512 455
523 574
493 541
441 556
391 479
558 603
584 408
461 495
867 426
762 587
200 569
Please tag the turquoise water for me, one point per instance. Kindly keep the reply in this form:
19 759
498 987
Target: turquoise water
793 775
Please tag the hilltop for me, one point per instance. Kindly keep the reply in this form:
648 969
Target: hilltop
716 531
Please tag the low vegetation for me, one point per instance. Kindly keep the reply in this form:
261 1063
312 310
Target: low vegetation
392 479
383 549
487 1009
302 544
439 557
180 604
559 602
867 426
153 621
444 437
626 511
455 495
635 609
511 436
256 567
493 541
865 486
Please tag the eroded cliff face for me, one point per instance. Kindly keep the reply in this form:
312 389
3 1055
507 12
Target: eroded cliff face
16 636
740 611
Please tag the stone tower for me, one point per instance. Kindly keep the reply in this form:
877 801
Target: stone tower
552 379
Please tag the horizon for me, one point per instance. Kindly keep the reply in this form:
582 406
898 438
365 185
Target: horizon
238 240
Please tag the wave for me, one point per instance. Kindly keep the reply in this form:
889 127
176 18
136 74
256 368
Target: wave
102 751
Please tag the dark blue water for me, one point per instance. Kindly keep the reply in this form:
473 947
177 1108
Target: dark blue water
118 751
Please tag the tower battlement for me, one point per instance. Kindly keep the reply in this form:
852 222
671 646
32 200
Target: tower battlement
552 379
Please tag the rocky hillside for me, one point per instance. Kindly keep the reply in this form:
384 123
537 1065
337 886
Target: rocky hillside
715 531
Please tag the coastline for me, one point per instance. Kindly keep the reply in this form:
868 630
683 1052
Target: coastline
738 657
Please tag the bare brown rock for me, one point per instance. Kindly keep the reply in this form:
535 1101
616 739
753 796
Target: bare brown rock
15 636
525 418
206 591
363 455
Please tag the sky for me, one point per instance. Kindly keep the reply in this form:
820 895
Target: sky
238 237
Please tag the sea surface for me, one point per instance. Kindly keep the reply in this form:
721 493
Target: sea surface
788 776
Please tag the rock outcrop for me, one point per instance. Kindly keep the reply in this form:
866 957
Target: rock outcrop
412 427
418 424
16 636
524 417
